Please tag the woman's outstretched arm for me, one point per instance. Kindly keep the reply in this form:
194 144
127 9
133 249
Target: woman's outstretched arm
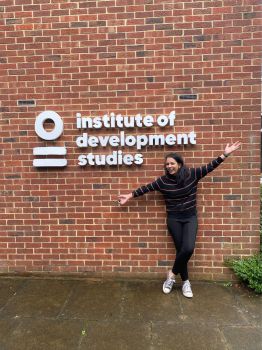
202 171
153 186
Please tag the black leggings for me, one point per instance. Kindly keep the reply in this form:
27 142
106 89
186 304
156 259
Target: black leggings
184 233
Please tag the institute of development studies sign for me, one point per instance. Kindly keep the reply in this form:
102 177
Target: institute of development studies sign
112 122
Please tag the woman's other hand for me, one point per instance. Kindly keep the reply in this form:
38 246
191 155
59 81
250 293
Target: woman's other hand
123 198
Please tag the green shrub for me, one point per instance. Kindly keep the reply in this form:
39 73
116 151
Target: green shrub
249 270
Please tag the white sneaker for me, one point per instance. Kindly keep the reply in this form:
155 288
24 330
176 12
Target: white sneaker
168 284
186 289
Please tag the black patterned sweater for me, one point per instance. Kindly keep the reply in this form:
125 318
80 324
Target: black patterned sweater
180 201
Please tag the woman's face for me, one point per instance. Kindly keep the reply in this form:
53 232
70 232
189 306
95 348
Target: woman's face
172 166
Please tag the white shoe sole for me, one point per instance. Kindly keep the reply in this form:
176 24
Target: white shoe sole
188 296
167 291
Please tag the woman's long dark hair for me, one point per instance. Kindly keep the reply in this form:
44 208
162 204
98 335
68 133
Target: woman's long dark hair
183 173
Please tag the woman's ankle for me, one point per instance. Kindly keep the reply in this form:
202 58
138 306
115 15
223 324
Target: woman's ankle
171 274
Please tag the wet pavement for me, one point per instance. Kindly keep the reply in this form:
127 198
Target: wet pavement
118 314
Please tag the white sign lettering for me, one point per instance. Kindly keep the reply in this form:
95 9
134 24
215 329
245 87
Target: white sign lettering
113 121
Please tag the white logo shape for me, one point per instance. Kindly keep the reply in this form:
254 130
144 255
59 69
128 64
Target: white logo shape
48 136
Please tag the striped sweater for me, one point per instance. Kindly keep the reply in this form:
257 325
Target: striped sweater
180 201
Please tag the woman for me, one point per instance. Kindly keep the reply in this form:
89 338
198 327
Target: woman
179 188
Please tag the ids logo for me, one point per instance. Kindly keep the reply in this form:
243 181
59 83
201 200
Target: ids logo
49 136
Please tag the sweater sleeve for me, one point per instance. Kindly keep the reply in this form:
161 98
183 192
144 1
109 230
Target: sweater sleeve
202 171
153 186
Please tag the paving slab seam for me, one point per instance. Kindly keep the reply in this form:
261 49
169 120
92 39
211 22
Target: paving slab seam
123 299
151 337
242 327
48 318
239 306
59 315
103 278
244 311
241 313
106 320
204 324
243 337
223 339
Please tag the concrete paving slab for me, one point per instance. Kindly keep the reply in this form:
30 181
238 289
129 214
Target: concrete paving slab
243 338
145 300
38 298
8 288
116 335
44 334
213 304
7 327
187 336
94 300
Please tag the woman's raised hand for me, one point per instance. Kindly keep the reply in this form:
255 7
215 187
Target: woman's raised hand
231 148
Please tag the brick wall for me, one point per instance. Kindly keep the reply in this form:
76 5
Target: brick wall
200 59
